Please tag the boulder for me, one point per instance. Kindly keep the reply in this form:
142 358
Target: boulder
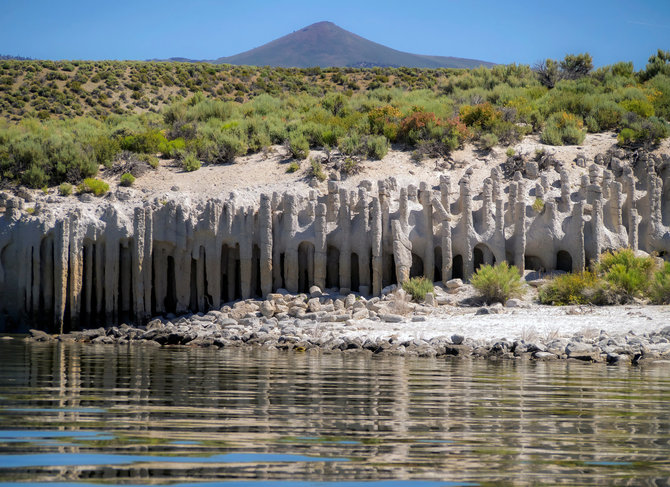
454 283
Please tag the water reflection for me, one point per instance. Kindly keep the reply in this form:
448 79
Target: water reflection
133 413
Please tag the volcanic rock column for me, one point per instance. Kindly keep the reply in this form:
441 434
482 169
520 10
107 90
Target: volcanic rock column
320 246
444 217
138 258
364 250
579 262
429 251
291 250
468 228
377 259
265 243
520 236
402 246
344 225
61 250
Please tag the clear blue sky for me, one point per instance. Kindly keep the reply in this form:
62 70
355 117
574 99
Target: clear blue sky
492 30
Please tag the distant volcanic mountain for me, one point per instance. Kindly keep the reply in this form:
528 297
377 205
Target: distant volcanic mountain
325 44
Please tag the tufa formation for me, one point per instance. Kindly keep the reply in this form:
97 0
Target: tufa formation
69 267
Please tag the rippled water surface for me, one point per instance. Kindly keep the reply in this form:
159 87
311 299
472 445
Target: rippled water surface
142 415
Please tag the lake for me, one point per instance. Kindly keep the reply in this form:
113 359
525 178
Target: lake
142 415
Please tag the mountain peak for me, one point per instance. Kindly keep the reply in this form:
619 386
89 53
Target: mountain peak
325 44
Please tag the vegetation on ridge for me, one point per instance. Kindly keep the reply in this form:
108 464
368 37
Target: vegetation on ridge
63 120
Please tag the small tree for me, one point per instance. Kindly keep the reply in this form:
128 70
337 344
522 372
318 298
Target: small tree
575 66
547 72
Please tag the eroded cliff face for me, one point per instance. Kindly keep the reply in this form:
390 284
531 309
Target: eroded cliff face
83 264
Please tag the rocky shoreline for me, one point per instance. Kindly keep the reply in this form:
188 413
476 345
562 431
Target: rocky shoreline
392 324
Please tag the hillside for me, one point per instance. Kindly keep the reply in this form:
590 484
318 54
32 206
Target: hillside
61 89
325 44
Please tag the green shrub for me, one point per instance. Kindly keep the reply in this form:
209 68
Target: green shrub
377 146
316 170
95 186
298 146
350 166
190 162
641 108
577 288
293 167
127 179
482 116
149 142
488 141
150 159
35 177
417 287
642 132
538 205
660 287
172 148
510 152
563 128
351 145
627 276
498 283
65 189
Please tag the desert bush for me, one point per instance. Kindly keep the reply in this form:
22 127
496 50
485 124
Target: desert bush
65 189
95 186
316 170
218 145
497 283
127 179
488 141
659 63
482 116
170 149
538 205
626 276
660 286
190 162
417 287
377 146
350 166
565 289
149 142
639 132
384 121
547 73
563 128
293 167
151 159
298 146
351 145
575 66
641 108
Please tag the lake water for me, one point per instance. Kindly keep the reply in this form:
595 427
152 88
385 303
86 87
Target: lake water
142 415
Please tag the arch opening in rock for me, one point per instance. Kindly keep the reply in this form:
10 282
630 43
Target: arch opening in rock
305 266
457 267
417 266
332 267
532 262
388 269
437 259
170 301
355 274
563 261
